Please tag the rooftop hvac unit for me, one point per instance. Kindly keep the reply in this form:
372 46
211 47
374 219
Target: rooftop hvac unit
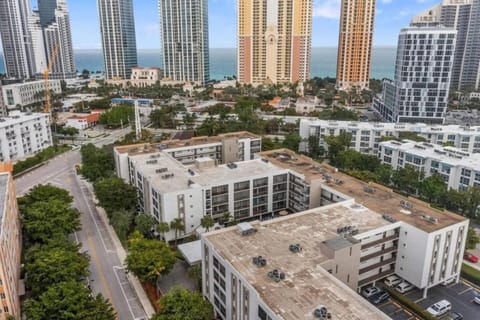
368 189
276 275
161 170
246 229
295 248
259 261
321 312
389 218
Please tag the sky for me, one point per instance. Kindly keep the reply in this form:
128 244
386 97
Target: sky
391 16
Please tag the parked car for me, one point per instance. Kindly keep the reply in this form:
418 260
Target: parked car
454 316
380 297
369 292
476 297
470 257
392 281
404 287
440 308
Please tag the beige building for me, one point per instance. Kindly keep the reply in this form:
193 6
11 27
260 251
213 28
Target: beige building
274 40
145 77
10 248
355 44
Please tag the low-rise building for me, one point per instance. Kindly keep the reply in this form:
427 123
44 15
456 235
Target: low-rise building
83 122
366 136
25 94
458 168
10 249
145 77
23 135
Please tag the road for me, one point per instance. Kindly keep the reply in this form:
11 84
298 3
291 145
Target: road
107 275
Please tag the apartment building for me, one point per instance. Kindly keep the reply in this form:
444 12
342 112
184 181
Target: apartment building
355 44
274 40
419 91
145 77
458 168
24 94
356 235
366 136
10 249
23 135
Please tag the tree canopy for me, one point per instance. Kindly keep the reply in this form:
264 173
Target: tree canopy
119 115
181 304
96 163
115 195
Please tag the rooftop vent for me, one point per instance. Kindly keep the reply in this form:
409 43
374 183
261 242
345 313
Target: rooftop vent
368 189
191 172
246 228
430 219
347 230
161 170
339 181
232 165
152 161
259 261
321 312
168 176
265 160
295 248
276 275
389 218
406 204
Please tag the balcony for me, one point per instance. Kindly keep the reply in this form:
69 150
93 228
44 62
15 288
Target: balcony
378 253
379 241
378 265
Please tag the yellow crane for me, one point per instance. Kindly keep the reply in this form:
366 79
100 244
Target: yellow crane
48 104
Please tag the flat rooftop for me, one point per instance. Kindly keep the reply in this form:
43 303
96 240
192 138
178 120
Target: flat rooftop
136 149
307 285
20 117
181 177
381 200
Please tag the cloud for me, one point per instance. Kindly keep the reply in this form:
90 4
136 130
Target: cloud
327 9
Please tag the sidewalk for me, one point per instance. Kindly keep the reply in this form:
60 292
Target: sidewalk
122 254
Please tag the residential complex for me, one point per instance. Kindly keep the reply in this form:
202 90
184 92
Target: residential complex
145 77
23 135
274 40
355 44
366 136
117 28
24 94
419 91
458 168
355 234
184 31
10 249
17 47
470 77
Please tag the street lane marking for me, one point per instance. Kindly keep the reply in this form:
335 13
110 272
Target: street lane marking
100 271
465 291
123 291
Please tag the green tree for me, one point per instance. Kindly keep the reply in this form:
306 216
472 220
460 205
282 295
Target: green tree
147 258
472 239
314 149
43 221
384 173
181 304
144 223
292 141
407 179
68 301
117 116
471 202
97 163
44 193
177 225
114 194
433 188
195 273
163 228
47 265
207 222
121 221
339 143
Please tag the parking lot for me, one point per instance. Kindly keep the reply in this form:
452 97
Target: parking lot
396 311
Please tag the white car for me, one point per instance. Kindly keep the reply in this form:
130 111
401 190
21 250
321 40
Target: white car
440 308
370 291
476 297
392 281
404 287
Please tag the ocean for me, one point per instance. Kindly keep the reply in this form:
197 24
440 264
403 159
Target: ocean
223 61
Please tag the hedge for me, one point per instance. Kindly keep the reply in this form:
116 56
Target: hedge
417 309
471 274
40 157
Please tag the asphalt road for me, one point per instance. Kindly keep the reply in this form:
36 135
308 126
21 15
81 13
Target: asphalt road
107 275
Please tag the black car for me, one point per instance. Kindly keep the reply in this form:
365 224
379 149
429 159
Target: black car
379 297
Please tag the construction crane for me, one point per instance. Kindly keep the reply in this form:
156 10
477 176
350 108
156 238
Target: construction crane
48 104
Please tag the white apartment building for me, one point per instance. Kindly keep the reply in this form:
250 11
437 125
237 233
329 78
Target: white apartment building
19 95
458 168
23 135
366 136
145 77
344 246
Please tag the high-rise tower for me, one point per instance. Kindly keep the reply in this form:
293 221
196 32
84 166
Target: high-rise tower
117 28
184 31
274 40
16 40
355 44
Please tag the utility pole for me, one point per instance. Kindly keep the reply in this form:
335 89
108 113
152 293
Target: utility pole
138 125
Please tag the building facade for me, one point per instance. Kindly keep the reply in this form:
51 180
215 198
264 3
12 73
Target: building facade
274 40
10 249
19 95
145 77
366 136
355 44
459 169
38 43
17 47
184 30
470 77
423 68
117 28
23 135
357 234
55 21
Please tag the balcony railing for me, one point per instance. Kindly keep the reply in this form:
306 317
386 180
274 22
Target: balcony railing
377 265
378 253
379 241
376 277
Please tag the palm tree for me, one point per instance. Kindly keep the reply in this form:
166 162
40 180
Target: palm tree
226 217
177 225
207 222
163 228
